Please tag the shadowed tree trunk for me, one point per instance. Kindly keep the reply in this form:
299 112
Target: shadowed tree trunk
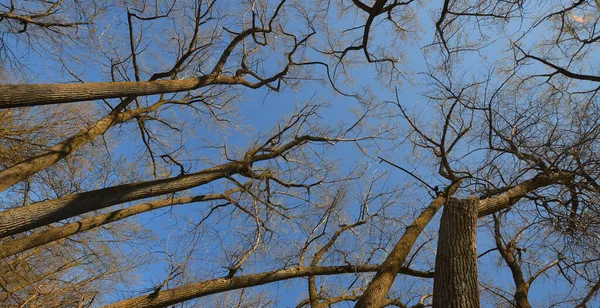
25 218
9 248
67 93
39 214
455 283
376 292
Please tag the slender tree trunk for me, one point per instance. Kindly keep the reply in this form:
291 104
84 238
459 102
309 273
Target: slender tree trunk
33 165
164 298
39 214
589 296
508 254
9 248
455 283
511 196
199 289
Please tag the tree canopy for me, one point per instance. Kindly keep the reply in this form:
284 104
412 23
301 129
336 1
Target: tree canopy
299 153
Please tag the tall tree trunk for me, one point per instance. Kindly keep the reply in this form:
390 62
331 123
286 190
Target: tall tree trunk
39 214
376 293
32 216
164 298
24 95
455 282
33 165
9 248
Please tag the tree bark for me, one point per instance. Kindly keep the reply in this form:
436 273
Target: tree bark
39 214
508 254
9 248
455 284
376 293
44 94
33 165
497 203
24 95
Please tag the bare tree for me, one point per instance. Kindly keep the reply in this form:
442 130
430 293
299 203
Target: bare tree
495 122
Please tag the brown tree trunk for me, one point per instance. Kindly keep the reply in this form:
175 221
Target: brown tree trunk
32 216
24 95
39 214
68 93
164 298
199 289
455 283
9 248
33 165
508 254
376 293
511 196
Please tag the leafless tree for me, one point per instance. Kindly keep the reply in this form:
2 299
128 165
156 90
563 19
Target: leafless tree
503 143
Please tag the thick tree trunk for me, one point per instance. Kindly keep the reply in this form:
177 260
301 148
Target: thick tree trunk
39 214
455 283
24 95
376 293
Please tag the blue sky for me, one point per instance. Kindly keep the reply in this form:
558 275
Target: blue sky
258 111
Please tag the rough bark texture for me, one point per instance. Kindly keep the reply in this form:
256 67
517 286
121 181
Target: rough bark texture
39 214
455 283
9 248
24 95
32 216
376 293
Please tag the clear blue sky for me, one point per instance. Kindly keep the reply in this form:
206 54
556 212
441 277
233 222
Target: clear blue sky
258 112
